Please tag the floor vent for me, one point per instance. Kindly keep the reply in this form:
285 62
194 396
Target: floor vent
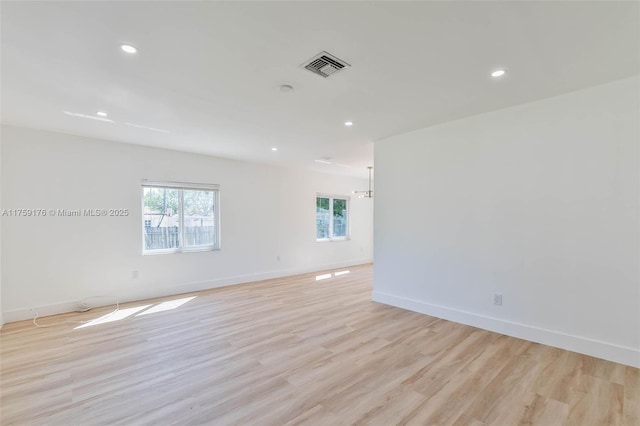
325 64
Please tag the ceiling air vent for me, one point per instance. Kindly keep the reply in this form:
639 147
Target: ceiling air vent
325 64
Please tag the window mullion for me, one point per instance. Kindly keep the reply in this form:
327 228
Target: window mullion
181 217
330 217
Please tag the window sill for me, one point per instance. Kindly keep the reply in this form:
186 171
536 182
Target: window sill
332 240
179 251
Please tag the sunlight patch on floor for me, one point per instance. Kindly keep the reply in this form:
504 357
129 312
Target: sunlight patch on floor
114 316
329 275
167 306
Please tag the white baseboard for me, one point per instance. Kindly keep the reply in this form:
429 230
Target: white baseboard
42 311
609 351
150 293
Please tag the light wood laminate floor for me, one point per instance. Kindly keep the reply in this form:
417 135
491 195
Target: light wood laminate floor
298 351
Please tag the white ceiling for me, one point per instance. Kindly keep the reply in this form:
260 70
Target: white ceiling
208 72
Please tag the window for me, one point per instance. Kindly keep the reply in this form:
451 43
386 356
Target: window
179 217
332 218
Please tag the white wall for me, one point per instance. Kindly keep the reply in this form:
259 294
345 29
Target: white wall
51 262
1 316
539 202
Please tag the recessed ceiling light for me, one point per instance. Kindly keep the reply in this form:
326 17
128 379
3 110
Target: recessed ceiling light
498 73
101 113
286 88
128 48
274 149
348 123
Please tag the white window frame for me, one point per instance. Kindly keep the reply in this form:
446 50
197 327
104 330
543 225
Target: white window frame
331 197
184 186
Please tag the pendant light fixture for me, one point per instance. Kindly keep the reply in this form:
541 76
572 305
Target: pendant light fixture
368 193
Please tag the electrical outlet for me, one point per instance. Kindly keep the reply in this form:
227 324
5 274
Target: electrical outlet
135 275
497 299
278 258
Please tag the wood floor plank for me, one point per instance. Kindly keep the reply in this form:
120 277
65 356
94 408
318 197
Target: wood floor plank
631 408
296 351
596 402
544 411
462 387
